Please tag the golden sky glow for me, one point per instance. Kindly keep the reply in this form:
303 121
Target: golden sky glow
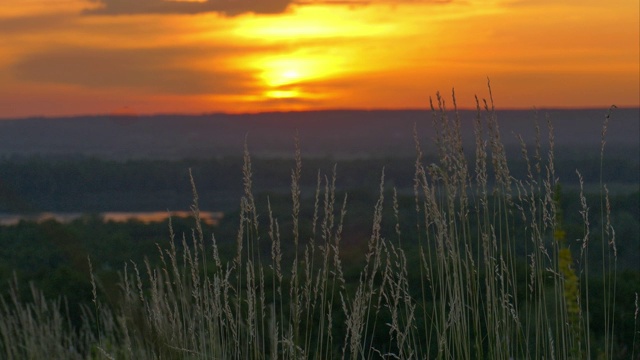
66 57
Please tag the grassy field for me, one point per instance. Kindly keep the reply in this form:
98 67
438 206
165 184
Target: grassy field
484 270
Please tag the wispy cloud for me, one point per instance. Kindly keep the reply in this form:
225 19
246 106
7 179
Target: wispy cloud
33 24
224 7
154 70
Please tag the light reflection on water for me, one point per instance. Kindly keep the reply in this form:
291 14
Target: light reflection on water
207 217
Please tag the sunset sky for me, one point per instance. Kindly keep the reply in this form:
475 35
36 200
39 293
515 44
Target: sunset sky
72 57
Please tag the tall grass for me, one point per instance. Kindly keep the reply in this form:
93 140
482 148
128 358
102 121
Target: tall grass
447 290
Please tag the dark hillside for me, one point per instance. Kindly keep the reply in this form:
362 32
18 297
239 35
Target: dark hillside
339 134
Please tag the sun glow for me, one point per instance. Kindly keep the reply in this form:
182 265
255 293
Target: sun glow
282 94
286 71
299 54
313 23
294 75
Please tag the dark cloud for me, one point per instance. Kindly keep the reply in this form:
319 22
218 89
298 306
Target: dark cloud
224 7
33 24
147 69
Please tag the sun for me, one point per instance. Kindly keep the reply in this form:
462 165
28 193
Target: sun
282 94
286 71
296 75
291 75
284 77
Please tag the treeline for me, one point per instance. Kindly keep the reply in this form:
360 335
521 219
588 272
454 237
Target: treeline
36 184
54 255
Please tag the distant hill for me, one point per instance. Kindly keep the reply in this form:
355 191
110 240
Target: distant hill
338 133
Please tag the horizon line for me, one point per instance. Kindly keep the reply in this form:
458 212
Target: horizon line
327 110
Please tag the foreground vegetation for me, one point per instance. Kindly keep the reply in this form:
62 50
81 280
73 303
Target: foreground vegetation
476 264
